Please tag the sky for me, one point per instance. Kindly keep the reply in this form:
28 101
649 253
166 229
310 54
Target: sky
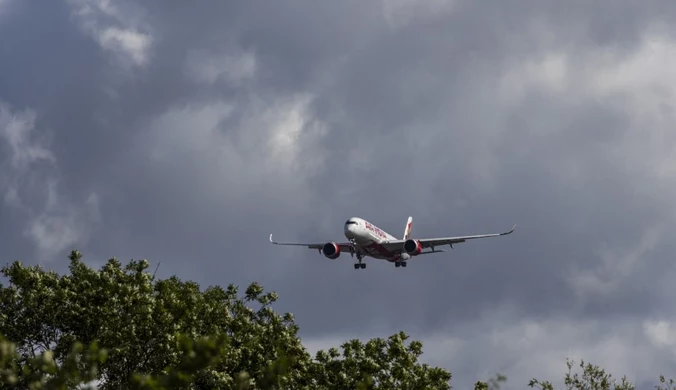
186 134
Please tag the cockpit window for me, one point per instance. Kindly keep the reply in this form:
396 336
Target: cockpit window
350 222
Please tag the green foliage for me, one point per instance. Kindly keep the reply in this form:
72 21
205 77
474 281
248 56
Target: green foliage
145 333
492 384
666 384
124 329
594 378
42 371
378 364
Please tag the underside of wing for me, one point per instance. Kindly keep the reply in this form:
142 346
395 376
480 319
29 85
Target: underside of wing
344 246
398 245
432 242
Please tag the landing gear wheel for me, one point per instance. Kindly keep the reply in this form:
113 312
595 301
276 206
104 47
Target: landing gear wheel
403 264
397 264
359 265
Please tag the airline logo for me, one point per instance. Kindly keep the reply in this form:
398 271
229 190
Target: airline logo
375 230
408 229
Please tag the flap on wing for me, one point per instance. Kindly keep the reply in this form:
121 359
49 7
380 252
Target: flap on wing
440 241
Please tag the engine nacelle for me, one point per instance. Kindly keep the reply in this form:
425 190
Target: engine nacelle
413 247
331 250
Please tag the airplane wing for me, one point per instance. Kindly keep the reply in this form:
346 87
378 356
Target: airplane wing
435 242
344 246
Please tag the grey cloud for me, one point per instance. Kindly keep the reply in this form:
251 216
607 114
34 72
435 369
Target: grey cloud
249 120
117 27
30 184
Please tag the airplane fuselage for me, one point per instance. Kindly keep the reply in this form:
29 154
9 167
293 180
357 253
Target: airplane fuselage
368 239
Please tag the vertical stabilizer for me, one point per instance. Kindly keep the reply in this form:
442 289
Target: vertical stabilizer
409 225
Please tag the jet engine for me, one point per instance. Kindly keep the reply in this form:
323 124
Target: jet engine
331 250
413 247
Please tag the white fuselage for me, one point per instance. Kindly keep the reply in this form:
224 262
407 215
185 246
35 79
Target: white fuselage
368 238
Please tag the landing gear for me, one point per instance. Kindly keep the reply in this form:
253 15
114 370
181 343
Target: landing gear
400 264
359 264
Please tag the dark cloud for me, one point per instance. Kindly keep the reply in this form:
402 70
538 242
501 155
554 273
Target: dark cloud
194 132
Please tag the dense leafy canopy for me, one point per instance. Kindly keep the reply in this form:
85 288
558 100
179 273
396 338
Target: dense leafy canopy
595 378
155 332
122 328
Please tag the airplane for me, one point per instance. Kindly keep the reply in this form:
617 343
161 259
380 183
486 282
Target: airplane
366 239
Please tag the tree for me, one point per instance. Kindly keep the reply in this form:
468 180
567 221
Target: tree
378 363
42 372
123 328
594 377
160 332
492 384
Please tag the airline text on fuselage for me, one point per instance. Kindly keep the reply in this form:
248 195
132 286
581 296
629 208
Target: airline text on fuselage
376 230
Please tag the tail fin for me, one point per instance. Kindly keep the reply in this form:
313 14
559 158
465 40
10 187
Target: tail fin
409 225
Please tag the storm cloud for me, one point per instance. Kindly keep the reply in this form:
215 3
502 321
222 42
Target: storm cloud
186 134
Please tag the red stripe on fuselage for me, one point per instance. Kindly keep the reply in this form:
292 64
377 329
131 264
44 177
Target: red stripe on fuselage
377 249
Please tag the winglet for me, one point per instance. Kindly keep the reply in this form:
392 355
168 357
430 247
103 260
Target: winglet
271 239
510 232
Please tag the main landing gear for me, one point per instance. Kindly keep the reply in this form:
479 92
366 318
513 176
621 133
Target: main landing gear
359 264
400 264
